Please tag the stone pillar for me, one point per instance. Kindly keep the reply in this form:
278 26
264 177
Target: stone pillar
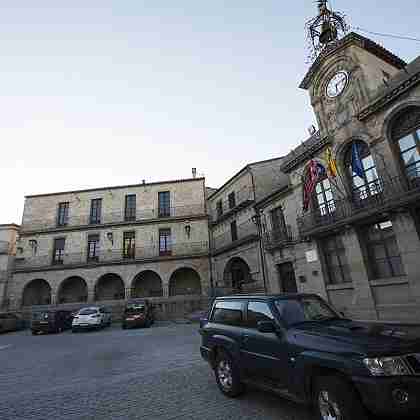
363 301
165 288
409 246
91 293
53 298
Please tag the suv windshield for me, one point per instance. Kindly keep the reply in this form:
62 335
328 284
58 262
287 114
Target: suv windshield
88 311
305 309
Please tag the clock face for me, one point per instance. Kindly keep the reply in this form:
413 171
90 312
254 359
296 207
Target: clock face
337 84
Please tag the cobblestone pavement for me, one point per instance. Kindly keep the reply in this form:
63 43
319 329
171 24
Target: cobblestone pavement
154 373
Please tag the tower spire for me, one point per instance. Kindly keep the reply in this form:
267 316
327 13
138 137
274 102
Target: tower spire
325 29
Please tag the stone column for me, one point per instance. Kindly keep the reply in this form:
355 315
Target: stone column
165 288
363 301
409 246
91 293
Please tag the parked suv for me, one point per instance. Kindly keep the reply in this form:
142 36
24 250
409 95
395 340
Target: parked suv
94 317
50 321
137 313
10 322
300 348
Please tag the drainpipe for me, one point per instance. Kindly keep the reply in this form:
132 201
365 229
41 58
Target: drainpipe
257 221
210 242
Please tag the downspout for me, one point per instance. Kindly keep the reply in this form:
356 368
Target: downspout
210 241
258 218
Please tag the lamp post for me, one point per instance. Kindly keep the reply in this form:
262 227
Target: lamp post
257 220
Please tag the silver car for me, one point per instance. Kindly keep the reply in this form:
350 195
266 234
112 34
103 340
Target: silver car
93 317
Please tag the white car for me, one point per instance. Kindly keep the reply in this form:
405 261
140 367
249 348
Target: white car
91 317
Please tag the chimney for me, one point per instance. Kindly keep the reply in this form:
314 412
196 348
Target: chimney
194 172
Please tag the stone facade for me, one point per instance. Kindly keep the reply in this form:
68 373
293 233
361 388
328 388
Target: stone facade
148 248
378 270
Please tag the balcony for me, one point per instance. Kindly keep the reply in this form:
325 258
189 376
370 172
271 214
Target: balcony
246 231
29 225
243 197
115 256
384 195
4 247
280 238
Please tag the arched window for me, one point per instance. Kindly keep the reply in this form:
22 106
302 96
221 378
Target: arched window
324 197
406 134
361 170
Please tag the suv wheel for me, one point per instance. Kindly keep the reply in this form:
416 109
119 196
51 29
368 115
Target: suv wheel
227 375
334 399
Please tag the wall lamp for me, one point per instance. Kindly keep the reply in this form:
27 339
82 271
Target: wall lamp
110 237
187 230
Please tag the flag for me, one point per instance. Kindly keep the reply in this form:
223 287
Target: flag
315 171
331 164
356 162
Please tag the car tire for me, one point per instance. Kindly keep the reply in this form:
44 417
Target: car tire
124 327
334 398
73 330
227 375
34 332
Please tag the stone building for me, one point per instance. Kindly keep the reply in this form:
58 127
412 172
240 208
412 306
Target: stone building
111 243
8 237
237 257
358 243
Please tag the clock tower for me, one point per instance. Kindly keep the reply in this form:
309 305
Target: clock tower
347 71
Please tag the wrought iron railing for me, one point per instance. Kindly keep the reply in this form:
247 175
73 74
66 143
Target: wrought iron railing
52 222
113 256
278 238
382 193
244 230
241 196
4 247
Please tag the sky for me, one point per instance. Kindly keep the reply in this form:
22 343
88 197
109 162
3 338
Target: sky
99 92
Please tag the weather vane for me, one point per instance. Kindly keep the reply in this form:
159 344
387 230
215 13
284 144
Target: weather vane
325 29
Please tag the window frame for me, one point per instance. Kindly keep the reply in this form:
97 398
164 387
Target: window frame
234 231
329 210
219 208
232 200
129 238
341 265
130 208
167 249
95 211
164 204
58 259
63 217
383 242
95 256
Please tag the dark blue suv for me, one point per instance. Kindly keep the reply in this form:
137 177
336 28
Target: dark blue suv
299 347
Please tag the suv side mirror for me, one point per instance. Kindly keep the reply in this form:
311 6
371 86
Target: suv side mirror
266 327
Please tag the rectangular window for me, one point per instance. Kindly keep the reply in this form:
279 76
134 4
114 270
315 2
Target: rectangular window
165 242
336 260
164 199
130 208
278 223
228 313
232 200
129 245
219 208
382 248
58 252
234 231
93 248
95 211
63 214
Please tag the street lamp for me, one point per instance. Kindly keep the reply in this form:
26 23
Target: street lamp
257 220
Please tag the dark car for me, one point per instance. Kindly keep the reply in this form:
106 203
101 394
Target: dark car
10 322
51 321
299 347
137 313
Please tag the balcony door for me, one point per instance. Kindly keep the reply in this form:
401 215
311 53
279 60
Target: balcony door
287 278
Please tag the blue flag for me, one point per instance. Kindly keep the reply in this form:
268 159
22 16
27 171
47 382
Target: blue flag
356 162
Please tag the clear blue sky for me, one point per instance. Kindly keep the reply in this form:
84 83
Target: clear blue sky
103 92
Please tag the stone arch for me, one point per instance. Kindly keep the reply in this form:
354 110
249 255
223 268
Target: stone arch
36 292
393 114
184 281
146 284
72 289
110 286
236 273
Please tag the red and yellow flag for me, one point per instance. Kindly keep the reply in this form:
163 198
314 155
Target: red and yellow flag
331 163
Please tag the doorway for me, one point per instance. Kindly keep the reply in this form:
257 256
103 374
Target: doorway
287 279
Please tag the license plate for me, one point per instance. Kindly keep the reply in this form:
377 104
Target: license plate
131 319
43 322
